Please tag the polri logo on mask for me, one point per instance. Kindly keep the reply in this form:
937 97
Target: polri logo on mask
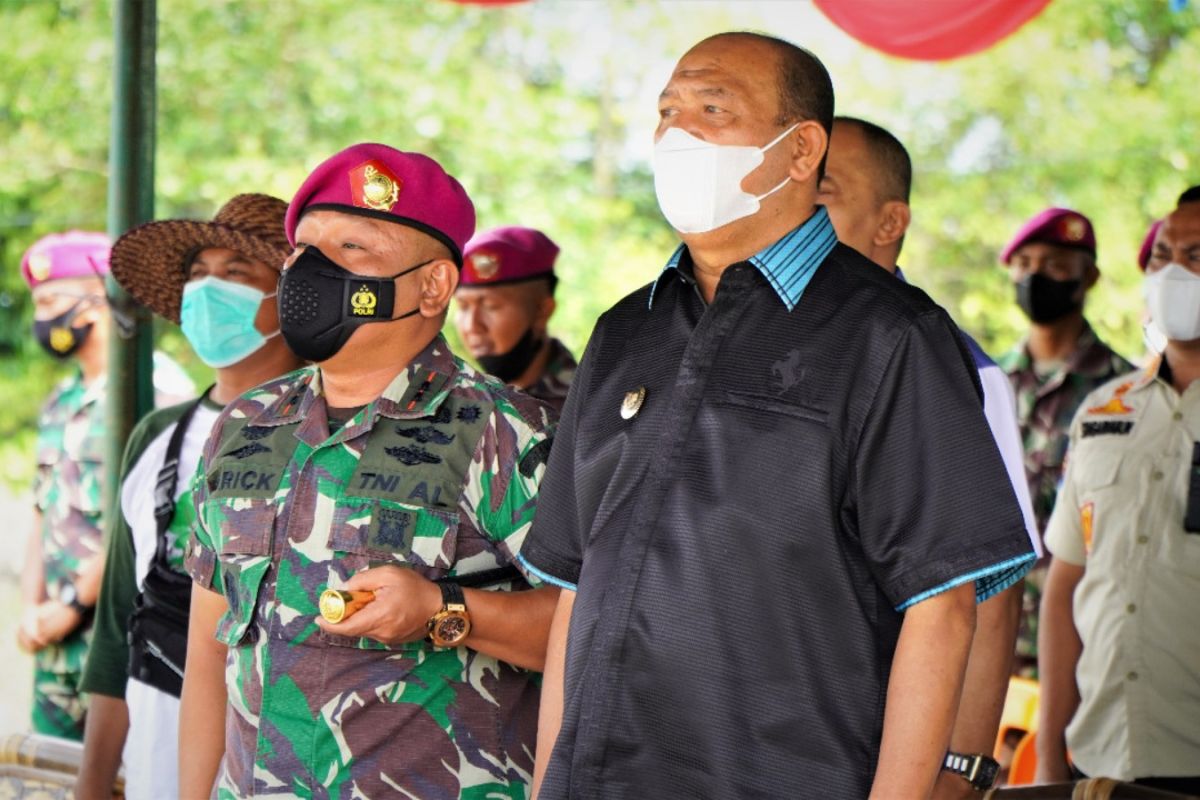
363 302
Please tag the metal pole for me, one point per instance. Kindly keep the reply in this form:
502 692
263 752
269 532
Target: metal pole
130 202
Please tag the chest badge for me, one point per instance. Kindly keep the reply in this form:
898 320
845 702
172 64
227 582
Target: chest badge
632 403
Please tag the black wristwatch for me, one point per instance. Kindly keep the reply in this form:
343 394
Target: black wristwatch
979 770
69 596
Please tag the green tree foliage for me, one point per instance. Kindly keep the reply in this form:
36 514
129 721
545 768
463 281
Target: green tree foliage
545 112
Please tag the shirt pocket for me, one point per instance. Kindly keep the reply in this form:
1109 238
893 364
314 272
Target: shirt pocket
761 403
244 528
369 532
382 532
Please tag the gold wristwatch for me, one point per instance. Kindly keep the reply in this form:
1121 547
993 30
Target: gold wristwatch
450 626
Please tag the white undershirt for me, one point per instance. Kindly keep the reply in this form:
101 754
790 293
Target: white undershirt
151 754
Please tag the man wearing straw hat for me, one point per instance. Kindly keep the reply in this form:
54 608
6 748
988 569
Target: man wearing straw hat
392 474
62 565
218 280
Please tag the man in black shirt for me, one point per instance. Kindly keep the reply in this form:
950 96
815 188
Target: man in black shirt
773 500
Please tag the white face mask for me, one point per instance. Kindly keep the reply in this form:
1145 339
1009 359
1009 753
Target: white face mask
1173 296
699 184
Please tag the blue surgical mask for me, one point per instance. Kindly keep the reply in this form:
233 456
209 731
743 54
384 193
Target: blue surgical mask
217 318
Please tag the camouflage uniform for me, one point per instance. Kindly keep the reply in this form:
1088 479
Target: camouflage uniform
555 381
439 474
1046 405
67 491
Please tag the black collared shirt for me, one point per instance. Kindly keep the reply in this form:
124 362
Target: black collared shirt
744 546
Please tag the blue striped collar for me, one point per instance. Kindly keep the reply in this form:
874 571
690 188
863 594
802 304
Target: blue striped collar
788 264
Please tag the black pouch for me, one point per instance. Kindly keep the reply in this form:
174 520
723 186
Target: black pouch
158 626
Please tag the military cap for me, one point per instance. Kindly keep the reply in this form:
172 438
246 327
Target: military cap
74 254
1060 226
379 181
1147 248
508 255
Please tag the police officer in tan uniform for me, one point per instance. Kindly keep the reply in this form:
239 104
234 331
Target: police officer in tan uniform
1119 645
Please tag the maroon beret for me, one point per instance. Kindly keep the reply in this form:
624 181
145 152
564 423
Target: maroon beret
378 181
1060 226
508 255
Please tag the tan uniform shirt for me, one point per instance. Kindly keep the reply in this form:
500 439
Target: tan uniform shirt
1120 515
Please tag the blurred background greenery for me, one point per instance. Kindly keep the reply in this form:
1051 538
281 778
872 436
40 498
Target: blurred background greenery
545 112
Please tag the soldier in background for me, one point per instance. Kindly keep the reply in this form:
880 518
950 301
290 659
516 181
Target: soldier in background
389 468
63 559
1052 264
505 300
866 188
1120 648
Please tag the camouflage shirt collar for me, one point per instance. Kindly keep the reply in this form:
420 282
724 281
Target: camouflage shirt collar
93 392
1091 357
416 392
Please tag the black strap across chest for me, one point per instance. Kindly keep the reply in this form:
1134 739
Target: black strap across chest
159 622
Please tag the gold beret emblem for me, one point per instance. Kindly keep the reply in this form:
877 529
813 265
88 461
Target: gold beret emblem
1074 229
40 266
379 191
486 265
362 302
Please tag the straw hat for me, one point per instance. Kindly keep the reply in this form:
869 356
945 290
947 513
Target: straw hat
151 261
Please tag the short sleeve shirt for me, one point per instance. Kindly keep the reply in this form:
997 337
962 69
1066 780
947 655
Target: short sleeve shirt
440 474
743 546
1120 515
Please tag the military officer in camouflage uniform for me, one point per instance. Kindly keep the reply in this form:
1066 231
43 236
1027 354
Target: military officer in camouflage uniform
63 560
1052 263
389 468
505 300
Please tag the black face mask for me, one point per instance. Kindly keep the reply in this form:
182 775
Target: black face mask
1046 300
509 366
57 336
321 304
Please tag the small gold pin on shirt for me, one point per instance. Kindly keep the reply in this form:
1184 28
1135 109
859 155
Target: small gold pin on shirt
632 403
